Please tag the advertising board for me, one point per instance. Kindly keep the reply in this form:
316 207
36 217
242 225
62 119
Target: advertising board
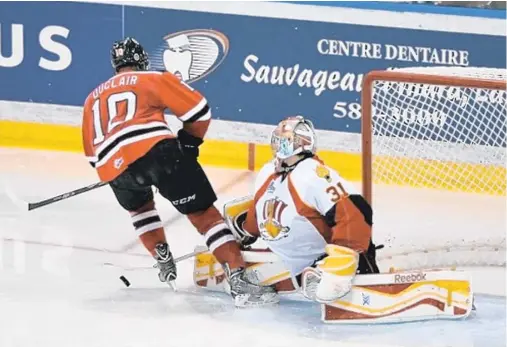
255 67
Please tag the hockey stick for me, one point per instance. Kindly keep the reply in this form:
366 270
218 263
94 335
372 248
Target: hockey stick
126 282
176 260
38 204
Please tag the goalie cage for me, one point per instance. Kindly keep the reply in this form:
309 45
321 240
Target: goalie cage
442 128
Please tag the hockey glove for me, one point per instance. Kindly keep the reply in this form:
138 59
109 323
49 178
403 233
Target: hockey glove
189 143
332 278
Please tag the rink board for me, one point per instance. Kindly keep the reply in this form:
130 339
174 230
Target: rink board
251 156
252 79
229 154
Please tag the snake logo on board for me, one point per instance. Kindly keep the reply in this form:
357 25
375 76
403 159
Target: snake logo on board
191 54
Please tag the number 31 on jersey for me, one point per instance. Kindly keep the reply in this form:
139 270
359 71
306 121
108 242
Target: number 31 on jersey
336 192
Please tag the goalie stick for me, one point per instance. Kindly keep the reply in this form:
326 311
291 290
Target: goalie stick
250 257
253 257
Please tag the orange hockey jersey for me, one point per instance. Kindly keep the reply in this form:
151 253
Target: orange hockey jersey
123 118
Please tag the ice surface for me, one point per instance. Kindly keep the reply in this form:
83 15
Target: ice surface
56 291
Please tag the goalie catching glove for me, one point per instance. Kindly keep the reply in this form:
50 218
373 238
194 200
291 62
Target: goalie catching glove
332 277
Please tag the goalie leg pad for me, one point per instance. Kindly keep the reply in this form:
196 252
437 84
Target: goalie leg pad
262 268
208 272
403 297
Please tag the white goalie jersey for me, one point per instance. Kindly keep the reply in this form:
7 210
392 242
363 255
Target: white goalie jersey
298 213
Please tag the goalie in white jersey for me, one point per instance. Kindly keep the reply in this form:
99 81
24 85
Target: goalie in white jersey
301 205
310 216
318 229
307 215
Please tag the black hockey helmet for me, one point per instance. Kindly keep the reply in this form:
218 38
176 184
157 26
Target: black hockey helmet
129 52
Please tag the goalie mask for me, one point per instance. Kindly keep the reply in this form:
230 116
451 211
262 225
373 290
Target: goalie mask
293 138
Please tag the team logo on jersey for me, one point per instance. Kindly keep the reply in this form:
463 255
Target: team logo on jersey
323 172
271 227
118 163
191 54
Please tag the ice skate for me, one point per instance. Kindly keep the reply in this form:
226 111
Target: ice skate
165 264
245 293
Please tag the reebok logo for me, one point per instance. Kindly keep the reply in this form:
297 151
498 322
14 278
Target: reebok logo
410 278
183 200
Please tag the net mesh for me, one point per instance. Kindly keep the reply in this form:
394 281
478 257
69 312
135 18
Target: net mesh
441 137
446 138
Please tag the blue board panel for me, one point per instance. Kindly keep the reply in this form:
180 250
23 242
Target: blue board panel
251 69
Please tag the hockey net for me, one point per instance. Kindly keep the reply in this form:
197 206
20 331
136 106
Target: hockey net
442 128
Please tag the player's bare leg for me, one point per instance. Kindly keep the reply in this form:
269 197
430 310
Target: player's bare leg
222 243
134 193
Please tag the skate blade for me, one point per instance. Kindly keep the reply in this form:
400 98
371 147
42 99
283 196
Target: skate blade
245 301
172 285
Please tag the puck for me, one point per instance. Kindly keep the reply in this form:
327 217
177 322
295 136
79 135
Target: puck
125 281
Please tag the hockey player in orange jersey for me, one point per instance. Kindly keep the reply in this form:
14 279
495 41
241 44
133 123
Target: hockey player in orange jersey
127 140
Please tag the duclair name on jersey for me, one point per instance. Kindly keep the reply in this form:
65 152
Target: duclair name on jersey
125 80
191 54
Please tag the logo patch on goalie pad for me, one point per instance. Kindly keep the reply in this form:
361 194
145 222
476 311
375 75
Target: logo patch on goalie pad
401 278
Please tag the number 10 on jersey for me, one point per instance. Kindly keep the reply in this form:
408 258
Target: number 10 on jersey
115 113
